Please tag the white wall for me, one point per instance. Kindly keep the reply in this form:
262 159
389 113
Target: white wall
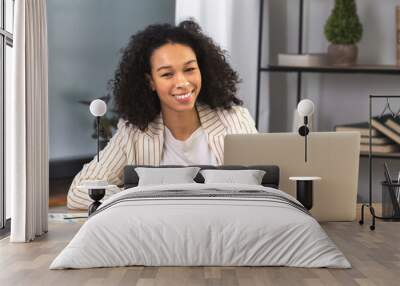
85 39
232 24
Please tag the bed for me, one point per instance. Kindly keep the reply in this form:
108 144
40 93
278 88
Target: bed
201 224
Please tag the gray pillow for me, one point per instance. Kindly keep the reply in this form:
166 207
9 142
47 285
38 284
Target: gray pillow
249 177
163 176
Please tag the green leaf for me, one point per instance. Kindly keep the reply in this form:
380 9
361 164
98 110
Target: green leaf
343 25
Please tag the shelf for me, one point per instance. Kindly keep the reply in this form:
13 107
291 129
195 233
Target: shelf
363 69
381 155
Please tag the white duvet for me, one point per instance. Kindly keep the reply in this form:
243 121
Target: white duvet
183 231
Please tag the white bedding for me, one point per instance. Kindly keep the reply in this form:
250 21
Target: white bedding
182 231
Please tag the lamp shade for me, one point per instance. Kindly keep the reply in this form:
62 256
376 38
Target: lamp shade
305 107
98 107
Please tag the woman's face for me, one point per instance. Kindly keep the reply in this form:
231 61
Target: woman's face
175 76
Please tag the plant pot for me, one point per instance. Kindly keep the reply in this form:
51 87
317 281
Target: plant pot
342 55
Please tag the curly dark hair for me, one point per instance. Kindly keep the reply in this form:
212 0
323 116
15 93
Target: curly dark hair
134 99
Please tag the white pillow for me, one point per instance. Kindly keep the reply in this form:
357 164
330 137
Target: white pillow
248 177
164 176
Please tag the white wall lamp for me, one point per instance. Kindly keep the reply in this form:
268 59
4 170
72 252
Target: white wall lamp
98 108
305 108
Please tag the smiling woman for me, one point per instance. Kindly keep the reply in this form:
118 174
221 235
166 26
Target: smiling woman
176 96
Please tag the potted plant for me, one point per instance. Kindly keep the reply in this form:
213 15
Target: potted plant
343 30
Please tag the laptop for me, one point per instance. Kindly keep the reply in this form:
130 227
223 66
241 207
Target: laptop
333 156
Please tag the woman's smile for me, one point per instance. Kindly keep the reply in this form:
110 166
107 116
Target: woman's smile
184 98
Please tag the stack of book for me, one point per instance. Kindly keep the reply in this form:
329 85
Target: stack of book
385 134
307 60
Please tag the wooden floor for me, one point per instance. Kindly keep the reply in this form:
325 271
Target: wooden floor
374 255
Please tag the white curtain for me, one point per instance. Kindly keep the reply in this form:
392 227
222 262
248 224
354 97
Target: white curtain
27 123
233 24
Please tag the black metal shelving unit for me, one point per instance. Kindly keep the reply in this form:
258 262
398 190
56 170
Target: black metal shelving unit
381 155
358 69
369 205
268 69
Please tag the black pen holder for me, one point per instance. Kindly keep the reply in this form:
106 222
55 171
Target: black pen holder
390 200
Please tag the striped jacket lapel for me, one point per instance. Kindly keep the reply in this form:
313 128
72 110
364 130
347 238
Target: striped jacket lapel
149 144
215 130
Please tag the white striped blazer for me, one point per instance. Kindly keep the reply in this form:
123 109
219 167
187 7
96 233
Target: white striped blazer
131 146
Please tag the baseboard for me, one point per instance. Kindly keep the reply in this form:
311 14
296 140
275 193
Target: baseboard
67 167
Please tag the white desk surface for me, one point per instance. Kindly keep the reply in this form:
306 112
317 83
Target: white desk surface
304 178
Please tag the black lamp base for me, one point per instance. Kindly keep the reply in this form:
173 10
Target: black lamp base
304 193
96 195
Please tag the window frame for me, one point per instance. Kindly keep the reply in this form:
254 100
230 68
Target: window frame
6 39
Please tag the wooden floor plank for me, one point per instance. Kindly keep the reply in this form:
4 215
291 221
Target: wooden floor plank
375 257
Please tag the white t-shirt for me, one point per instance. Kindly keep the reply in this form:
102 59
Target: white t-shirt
192 151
